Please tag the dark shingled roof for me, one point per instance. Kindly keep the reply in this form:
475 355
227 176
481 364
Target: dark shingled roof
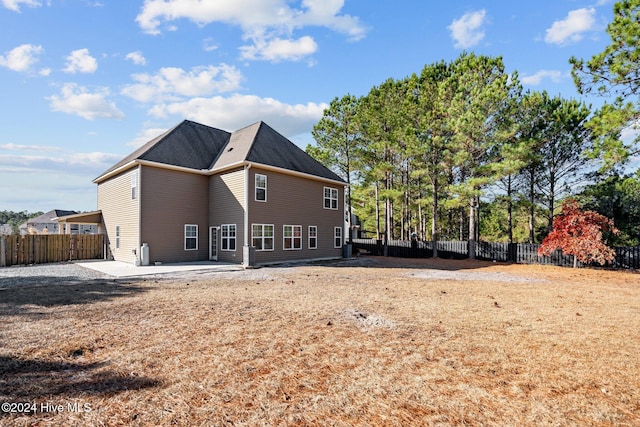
195 146
189 144
272 149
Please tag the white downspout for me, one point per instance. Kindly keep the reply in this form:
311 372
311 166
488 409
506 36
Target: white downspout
246 204
138 173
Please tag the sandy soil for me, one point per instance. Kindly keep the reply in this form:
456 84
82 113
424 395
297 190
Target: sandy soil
371 341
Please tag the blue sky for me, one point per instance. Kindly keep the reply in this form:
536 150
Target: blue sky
85 82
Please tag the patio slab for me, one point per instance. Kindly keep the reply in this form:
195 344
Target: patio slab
123 269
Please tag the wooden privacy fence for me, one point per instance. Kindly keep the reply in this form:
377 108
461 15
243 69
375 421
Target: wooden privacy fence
45 248
521 253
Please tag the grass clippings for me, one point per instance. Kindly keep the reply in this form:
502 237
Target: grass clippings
373 342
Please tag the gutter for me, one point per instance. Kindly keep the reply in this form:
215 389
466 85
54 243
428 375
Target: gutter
209 172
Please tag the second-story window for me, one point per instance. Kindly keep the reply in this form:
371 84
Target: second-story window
330 198
261 188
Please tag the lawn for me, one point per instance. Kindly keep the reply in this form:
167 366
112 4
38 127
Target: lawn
368 342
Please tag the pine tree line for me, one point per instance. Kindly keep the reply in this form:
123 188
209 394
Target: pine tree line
422 153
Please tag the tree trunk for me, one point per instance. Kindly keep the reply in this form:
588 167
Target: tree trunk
532 206
477 205
387 215
420 218
434 218
472 229
461 223
509 210
552 201
377 213
349 207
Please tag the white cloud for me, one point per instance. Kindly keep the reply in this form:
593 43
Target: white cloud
145 136
209 45
75 99
571 29
535 79
19 147
15 4
66 162
173 83
631 132
238 111
79 61
467 31
277 49
136 57
21 58
326 13
267 23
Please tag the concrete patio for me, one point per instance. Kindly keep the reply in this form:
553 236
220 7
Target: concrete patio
123 269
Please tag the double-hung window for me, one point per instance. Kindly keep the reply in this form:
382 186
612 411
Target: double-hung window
228 238
313 237
262 236
337 237
330 198
291 237
261 188
190 237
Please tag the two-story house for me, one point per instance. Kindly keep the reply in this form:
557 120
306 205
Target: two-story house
199 193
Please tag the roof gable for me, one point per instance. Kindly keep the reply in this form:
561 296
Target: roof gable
189 144
199 147
238 147
272 149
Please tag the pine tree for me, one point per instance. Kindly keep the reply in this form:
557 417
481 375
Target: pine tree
615 72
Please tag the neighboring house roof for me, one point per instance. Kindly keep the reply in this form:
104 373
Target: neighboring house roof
195 146
94 217
47 217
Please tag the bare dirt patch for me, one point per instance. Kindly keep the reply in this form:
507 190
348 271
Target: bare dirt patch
366 342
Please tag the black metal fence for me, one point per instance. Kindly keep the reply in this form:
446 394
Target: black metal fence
521 253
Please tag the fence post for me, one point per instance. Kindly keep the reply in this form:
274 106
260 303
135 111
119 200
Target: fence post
471 249
513 252
3 251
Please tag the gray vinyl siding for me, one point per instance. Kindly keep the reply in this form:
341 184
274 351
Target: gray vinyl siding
170 199
118 208
294 200
226 206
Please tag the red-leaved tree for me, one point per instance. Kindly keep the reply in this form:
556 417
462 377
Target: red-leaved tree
579 233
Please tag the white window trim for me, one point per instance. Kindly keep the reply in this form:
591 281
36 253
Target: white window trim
262 237
190 237
330 198
292 238
255 190
315 227
227 238
134 185
337 232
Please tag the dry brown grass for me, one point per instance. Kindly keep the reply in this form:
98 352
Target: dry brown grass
391 342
